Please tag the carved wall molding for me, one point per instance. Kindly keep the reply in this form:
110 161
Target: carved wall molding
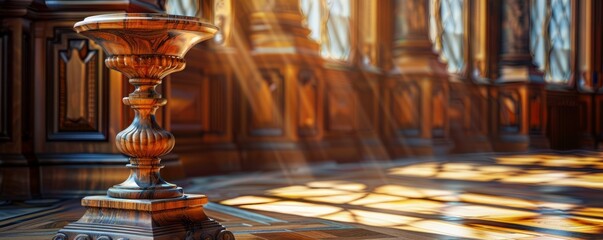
77 86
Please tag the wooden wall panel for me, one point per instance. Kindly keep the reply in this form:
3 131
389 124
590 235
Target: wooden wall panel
77 88
267 104
509 116
187 106
536 114
439 109
367 90
308 97
563 120
341 107
405 108
5 86
217 103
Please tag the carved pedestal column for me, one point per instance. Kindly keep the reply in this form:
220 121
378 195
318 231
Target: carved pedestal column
145 48
416 90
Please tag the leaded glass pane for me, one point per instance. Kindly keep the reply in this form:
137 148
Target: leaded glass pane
452 34
559 41
329 23
312 10
338 30
537 46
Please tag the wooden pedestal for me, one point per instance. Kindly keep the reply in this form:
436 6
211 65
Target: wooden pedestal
145 48
108 218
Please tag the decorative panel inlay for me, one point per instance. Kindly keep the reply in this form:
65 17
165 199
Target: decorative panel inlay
76 85
406 99
307 101
5 107
510 111
267 104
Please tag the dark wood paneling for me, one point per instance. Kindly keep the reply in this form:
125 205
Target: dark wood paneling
5 86
536 112
564 120
77 88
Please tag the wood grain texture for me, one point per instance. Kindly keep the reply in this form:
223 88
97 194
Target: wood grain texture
145 48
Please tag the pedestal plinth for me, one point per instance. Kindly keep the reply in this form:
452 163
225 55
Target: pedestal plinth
145 47
144 219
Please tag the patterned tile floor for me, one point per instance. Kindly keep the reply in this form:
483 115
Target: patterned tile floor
535 196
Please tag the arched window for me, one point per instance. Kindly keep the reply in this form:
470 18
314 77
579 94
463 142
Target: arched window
447 32
551 38
329 23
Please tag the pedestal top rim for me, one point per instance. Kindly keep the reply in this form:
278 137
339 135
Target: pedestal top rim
132 21
187 200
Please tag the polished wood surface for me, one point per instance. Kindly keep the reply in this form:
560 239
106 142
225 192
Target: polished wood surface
145 48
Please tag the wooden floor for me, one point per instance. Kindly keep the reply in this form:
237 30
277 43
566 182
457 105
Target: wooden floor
536 196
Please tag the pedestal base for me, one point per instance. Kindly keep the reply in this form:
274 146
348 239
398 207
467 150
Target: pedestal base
109 218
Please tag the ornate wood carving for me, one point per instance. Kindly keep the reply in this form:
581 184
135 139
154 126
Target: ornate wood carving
405 108
77 88
307 103
267 105
5 86
145 48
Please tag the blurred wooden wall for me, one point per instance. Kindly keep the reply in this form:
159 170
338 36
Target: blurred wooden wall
262 96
